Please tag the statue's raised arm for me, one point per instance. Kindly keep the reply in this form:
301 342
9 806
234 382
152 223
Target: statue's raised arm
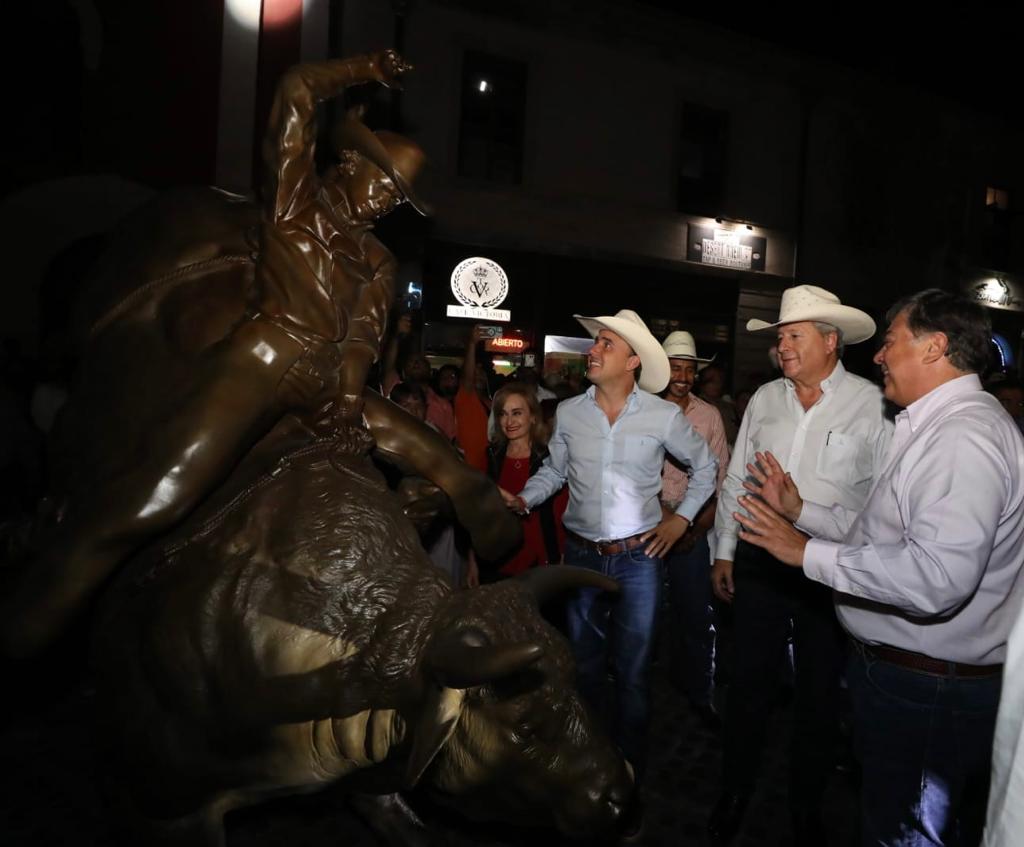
289 145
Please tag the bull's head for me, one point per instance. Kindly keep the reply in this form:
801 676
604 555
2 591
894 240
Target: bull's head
505 733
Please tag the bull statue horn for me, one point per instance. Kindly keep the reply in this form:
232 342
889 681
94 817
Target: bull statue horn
548 582
465 658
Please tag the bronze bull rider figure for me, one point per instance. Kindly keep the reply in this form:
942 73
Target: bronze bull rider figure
240 338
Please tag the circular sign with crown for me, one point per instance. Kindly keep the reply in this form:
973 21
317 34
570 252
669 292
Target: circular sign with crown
479 283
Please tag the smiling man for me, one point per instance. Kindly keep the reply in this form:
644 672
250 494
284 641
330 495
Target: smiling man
830 426
610 445
927 575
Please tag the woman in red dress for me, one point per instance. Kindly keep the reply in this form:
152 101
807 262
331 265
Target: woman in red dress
518 446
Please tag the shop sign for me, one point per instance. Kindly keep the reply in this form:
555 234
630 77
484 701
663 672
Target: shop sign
997 292
480 285
726 248
505 344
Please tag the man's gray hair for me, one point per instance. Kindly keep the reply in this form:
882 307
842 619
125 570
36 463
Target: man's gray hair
825 329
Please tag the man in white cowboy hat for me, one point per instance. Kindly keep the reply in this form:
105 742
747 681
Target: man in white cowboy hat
689 562
609 444
829 427
927 579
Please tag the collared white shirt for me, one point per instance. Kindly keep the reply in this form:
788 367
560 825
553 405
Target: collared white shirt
833 450
933 562
614 469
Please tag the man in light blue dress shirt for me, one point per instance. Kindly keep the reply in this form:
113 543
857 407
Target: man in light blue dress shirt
609 444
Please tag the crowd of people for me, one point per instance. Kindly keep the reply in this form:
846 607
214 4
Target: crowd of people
877 553
884 551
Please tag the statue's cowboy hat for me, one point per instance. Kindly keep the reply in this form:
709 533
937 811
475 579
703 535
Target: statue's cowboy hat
810 303
399 157
680 345
654 369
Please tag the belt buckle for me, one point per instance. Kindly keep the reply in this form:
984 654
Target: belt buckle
602 547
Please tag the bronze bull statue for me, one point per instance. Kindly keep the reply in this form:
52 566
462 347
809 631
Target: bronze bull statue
292 636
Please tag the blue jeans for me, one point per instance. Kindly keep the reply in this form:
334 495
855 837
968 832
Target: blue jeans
617 632
925 745
692 628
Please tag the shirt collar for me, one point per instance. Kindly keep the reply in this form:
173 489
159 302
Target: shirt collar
925 407
631 401
829 383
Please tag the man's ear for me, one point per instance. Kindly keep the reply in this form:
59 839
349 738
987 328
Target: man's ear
935 348
633 362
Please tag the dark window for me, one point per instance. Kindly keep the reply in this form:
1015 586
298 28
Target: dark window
998 231
703 152
997 198
493 117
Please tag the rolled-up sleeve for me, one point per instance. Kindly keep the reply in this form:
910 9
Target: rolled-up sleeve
550 476
690 448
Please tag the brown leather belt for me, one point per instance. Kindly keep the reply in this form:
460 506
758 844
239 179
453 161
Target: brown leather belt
606 548
920 662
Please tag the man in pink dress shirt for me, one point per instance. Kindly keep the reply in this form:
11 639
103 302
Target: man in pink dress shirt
927 576
689 562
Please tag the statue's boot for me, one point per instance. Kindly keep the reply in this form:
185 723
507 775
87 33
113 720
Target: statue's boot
194 448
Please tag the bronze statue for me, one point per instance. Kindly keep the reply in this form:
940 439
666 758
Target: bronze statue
291 635
213 325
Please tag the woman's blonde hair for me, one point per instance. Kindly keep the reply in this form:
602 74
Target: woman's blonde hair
538 429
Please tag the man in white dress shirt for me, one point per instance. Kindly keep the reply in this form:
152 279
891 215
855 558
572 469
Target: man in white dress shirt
831 427
927 575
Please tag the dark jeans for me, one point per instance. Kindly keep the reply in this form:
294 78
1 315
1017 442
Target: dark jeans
617 632
769 595
691 625
925 745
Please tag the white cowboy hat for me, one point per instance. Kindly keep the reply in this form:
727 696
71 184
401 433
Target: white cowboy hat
680 345
654 369
810 303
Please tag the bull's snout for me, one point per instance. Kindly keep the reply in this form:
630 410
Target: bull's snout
599 801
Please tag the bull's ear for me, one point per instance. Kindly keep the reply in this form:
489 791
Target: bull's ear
464 658
437 719
549 582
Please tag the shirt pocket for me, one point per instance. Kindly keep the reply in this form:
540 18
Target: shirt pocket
642 461
844 459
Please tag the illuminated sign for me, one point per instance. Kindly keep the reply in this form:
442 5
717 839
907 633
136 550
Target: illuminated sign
480 285
999 292
505 345
726 248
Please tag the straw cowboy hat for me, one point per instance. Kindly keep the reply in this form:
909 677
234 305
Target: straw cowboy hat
680 345
399 157
810 303
654 369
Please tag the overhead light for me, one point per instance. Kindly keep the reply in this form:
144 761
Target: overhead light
484 87
722 219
